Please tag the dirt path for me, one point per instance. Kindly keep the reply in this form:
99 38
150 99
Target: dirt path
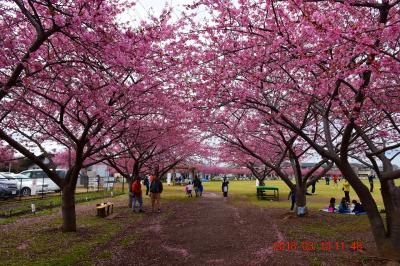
205 231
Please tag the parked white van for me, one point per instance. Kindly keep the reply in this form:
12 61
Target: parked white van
38 174
27 186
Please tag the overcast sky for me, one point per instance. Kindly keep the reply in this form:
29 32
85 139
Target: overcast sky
154 7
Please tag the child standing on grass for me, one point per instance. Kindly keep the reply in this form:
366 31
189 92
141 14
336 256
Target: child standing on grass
201 188
189 188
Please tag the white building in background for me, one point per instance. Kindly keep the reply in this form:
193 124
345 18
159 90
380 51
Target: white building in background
169 179
96 175
100 169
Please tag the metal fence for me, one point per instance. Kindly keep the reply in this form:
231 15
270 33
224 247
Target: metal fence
24 195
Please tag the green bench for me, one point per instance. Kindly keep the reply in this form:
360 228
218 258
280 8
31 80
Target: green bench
262 193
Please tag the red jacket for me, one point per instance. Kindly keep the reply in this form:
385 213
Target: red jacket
137 188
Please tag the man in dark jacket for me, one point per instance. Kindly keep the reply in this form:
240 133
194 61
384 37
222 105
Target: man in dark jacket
225 183
156 188
371 182
146 182
197 184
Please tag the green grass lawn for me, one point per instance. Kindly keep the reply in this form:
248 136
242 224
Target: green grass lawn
246 191
38 240
16 207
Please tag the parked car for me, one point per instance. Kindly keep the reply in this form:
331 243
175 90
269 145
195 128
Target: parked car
8 188
39 174
27 186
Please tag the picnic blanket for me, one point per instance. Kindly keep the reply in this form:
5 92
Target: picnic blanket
350 213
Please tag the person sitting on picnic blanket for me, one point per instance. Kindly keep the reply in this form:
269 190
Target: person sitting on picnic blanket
343 207
331 207
358 208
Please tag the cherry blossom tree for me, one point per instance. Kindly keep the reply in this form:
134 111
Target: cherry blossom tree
77 82
151 147
266 148
6 152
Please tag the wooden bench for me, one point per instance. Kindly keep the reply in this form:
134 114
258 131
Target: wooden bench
104 209
262 193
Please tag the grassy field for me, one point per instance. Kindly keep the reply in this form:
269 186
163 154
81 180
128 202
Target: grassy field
38 240
13 207
245 190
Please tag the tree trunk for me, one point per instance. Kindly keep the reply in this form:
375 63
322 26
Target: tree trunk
390 247
301 208
130 192
387 239
68 209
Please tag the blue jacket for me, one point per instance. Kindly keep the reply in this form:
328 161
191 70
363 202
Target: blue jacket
343 208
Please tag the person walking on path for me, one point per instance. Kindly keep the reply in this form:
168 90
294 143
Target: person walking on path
327 180
146 182
346 189
292 196
197 184
156 188
335 179
313 186
371 182
137 196
189 189
225 183
201 188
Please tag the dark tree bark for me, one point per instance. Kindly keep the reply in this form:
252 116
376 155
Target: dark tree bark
68 209
301 199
